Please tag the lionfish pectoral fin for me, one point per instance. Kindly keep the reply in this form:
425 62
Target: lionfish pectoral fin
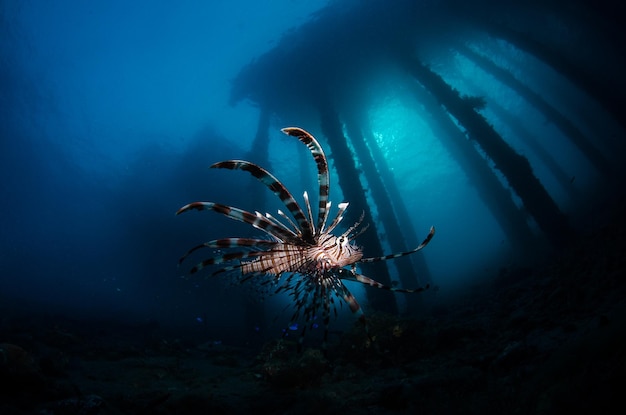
373 283
357 312
400 254
192 250
228 243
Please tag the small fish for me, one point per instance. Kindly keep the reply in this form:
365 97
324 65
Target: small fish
293 326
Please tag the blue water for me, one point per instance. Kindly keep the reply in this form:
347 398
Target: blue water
111 113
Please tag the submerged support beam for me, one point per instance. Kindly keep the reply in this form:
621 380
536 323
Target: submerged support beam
260 145
519 128
254 311
392 212
568 128
515 168
354 193
260 152
491 191
597 87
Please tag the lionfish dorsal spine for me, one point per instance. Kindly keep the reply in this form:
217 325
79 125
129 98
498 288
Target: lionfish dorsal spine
257 221
288 219
341 208
307 204
323 228
279 223
322 172
276 186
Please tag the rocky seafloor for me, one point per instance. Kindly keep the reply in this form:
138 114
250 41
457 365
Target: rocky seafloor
546 340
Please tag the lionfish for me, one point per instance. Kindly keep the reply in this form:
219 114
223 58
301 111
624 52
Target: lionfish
301 257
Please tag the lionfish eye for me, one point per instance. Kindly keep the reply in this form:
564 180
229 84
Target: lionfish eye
341 239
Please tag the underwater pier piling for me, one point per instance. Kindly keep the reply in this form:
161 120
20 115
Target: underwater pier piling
496 197
381 184
323 70
515 167
353 191
552 115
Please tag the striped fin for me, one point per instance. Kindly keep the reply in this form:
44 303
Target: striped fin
279 223
355 308
274 262
282 215
322 230
225 258
228 243
275 185
305 196
235 242
311 298
258 221
353 227
277 261
322 171
284 258
314 303
341 208
373 283
399 254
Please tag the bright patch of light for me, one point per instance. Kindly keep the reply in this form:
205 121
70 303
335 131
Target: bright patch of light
412 151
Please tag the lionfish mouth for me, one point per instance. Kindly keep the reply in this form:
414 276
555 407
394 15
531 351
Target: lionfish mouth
301 257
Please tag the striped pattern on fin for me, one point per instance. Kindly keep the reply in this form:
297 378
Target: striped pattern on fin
322 171
258 221
339 217
355 308
391 256
264 262
373 283
276 186
235 242
225 258
228 243
283 258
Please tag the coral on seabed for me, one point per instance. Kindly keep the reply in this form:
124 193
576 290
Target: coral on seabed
283 368
18 370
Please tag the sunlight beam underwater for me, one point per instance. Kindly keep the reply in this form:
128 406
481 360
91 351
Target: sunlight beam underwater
311 259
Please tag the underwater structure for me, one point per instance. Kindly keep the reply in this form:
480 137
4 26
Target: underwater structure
320 77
